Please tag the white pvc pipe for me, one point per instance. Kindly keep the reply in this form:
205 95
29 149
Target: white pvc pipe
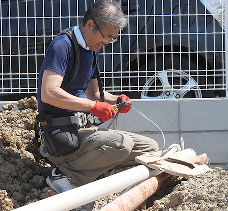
185 155
95 190
90 192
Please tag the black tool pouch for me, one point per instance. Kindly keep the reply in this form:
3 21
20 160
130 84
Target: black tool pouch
60 140
59 136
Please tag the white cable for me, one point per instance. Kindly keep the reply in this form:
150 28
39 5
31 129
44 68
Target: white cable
151 122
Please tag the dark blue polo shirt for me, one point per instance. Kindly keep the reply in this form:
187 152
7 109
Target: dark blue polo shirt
60 57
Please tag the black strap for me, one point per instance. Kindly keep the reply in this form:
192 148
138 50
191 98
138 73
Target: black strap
100 84
74 73
67 120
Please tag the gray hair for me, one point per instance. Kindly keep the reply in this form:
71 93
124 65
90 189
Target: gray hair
105 12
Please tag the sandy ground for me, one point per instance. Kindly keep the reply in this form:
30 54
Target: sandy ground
23 172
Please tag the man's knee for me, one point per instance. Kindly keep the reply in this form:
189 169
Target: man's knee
127 143
121 146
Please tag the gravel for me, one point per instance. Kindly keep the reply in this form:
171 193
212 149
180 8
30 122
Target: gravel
23 172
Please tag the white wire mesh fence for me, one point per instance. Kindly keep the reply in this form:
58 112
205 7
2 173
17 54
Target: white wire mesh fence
170 48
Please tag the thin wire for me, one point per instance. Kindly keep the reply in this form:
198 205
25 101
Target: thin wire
114 118
151 122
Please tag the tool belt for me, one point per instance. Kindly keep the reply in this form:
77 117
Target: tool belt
59 136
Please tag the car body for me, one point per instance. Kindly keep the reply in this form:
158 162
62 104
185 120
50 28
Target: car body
175 36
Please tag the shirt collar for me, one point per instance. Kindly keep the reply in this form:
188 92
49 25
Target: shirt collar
80 38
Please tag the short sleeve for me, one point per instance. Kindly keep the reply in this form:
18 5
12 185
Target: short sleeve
58 55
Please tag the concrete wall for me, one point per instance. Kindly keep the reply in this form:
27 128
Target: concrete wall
201 122
2 103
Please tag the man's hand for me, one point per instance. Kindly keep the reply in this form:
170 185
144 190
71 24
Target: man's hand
103 110
123 98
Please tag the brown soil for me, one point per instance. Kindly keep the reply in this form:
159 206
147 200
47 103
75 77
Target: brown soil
23 172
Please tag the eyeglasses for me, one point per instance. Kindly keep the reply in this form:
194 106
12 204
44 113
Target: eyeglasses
106 40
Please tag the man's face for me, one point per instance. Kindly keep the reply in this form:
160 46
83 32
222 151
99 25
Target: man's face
96 40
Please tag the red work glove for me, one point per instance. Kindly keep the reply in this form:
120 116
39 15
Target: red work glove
126 108
103 110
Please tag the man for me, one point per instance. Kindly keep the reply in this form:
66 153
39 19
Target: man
99 150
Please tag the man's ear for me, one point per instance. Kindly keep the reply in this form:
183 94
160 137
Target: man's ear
89 25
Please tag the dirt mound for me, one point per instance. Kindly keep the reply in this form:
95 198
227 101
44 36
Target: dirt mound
23 172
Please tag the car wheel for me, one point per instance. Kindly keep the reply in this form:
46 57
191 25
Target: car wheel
173 76
170 84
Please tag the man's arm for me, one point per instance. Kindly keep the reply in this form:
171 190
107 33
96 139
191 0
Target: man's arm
53 94
93 93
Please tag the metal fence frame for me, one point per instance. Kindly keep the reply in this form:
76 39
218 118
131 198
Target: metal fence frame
109 55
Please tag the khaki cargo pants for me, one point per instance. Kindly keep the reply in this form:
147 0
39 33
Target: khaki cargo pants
100 151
